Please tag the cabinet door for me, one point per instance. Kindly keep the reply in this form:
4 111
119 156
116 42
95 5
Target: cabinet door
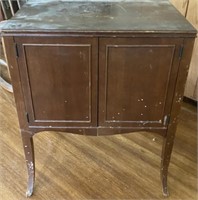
136 80
59 80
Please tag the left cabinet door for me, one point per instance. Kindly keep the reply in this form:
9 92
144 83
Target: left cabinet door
59 80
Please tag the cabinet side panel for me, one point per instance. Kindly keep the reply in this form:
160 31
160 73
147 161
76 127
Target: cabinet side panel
176 105
16 81
180 85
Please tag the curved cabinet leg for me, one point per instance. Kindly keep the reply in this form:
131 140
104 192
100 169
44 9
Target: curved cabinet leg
30 161
165 159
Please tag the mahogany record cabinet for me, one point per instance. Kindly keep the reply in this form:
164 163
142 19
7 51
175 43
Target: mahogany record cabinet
98 68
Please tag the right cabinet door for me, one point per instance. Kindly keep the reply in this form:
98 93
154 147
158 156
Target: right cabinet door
137 78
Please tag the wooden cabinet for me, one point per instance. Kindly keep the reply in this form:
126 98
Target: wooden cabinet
116 73
60 77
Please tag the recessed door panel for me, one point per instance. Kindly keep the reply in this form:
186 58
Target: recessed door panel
60 87
135 78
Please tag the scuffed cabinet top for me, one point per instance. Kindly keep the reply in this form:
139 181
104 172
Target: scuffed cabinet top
98 16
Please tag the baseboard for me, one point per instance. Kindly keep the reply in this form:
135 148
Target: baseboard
190 101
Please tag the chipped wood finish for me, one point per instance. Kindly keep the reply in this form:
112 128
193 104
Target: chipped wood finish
99 80
130 16
179 90
30 159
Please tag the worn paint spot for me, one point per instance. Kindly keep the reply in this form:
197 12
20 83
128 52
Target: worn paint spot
30 165
179 100
82 55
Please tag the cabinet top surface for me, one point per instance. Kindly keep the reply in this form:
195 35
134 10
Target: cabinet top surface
98 16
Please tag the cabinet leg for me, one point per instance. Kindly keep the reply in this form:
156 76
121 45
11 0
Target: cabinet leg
30 161
164 175
165 159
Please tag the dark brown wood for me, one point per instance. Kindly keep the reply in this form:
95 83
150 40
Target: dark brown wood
69 72
17 89
30 159
123 75
176 105
131 65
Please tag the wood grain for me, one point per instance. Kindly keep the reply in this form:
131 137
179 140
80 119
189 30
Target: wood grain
108 167
127 95
69 72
